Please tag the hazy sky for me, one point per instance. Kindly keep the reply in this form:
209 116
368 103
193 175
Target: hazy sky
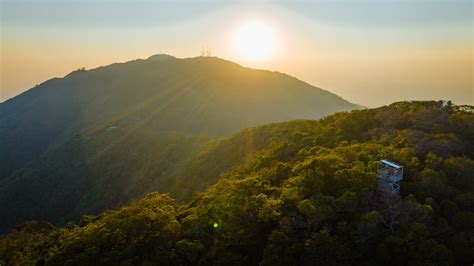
369 52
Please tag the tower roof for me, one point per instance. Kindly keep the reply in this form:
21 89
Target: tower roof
392 164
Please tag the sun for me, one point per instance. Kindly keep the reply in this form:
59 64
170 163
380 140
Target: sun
254 41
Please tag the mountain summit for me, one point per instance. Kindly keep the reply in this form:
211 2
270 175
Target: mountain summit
97 138
204 95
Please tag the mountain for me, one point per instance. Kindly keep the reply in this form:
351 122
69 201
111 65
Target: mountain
302 192
97 138
202 95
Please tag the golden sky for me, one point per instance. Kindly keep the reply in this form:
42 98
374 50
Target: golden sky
368 52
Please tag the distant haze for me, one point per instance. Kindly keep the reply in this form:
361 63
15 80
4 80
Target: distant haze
368 52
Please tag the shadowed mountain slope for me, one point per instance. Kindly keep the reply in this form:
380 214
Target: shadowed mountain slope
202 95
97 138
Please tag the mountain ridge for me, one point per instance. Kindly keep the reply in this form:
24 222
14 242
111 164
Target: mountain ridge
59 138
71 93
166 57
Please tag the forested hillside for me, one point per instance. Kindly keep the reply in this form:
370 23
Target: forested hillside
98 138
295 193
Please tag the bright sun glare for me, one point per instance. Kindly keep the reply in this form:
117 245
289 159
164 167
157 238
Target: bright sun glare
254 41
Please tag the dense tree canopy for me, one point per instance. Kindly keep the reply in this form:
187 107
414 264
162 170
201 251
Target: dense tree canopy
304 194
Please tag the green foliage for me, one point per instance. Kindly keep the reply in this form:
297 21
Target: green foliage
143 231
299 193
26 244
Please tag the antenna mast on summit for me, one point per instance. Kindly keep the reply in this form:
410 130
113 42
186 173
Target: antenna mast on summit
205 51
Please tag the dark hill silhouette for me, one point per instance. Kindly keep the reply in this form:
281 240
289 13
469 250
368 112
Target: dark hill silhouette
96 138
203 95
